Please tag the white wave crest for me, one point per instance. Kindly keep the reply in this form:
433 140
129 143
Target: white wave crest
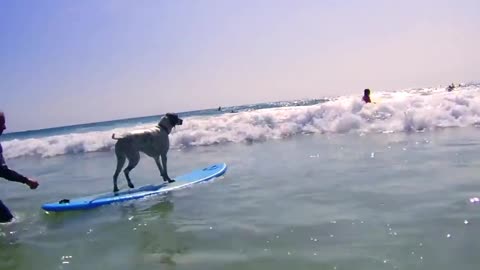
402 111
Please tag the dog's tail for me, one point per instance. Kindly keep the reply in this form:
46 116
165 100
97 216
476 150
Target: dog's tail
113 137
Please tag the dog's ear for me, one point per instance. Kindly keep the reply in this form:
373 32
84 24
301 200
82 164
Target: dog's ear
172 118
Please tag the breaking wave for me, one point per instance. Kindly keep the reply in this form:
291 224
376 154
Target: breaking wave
401 111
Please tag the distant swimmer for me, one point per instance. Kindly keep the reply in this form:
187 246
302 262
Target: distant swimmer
219 108
366 96
450 87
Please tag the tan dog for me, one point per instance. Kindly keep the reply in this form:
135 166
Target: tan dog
153 142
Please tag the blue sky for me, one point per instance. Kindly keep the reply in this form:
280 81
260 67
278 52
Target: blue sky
66 62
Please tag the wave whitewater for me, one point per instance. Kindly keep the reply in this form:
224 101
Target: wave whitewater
401 111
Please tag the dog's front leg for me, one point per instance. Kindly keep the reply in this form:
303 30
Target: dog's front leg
163 168
160 168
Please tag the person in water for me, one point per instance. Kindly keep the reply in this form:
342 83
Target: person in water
366 96
451 87
10 175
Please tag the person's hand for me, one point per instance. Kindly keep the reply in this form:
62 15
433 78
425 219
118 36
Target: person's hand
32 183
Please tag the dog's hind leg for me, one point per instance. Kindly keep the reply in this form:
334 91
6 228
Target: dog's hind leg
120 162
133 159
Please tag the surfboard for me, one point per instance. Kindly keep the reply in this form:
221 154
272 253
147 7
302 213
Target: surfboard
194 177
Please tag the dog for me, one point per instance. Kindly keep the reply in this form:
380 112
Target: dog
154 142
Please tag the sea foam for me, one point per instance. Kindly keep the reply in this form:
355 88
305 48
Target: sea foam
410 110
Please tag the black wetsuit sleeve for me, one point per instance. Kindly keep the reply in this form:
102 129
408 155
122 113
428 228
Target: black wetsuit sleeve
12 175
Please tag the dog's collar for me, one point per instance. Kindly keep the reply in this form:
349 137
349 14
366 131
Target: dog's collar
164 128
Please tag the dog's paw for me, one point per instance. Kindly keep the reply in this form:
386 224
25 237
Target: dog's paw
130 185
171 180
115 189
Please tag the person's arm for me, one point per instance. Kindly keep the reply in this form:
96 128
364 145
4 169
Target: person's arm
13 176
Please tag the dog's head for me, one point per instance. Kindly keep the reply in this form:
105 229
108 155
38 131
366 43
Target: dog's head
169 121
174 119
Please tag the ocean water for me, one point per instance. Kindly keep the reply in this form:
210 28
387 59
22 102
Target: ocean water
316 184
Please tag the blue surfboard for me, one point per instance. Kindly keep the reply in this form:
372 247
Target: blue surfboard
196 176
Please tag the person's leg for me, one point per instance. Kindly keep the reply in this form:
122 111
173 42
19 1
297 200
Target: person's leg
5 214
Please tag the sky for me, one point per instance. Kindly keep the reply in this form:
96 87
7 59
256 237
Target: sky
65 62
